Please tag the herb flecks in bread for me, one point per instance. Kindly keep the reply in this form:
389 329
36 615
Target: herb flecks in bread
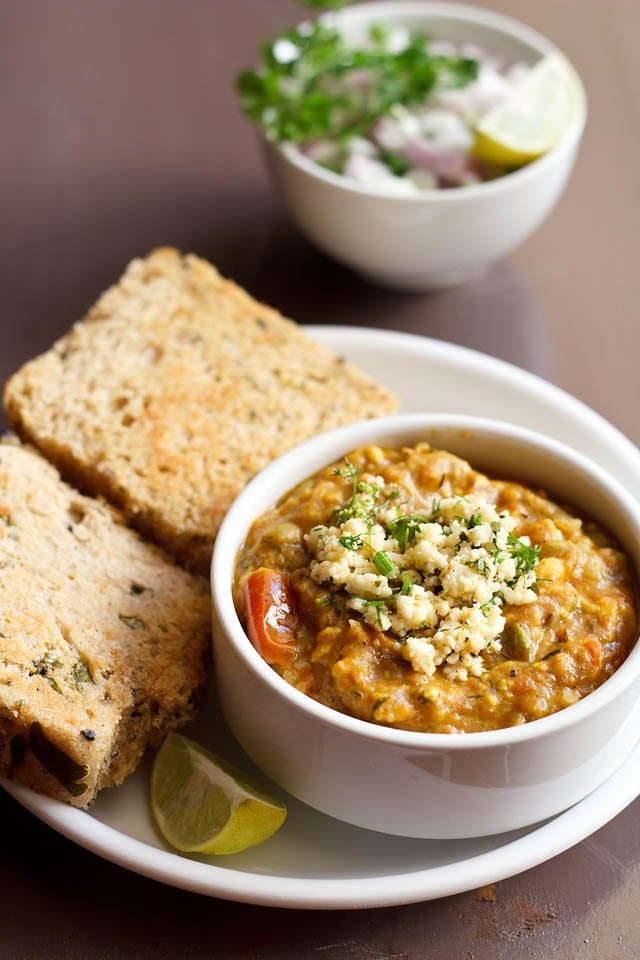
174 391
103 638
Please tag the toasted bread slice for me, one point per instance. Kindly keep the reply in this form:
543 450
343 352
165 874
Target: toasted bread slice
174 391
103 638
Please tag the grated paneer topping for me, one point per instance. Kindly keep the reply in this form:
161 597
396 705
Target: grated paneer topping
436 580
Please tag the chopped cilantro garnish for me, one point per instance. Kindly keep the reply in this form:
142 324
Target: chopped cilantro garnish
526 556
296 94
391 493
362 498
378 704
378 33
384 564
496 598
350 473
480 564
407 585
404 530
536 585
396 163
329 598
351 542
378 604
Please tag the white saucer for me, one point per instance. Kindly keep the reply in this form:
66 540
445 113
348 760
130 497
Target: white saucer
315 862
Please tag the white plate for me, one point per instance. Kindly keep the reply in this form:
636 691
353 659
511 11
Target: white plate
314 861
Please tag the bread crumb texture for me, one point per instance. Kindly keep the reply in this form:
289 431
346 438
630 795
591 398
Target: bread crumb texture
103 639
174 391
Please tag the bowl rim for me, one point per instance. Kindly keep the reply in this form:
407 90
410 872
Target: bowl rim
329 446
454 11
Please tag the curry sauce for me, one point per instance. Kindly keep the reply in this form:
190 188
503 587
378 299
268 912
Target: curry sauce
415 592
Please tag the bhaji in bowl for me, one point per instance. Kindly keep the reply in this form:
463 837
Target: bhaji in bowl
416 620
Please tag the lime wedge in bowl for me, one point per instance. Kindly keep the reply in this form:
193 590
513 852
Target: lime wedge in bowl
534 118
203 804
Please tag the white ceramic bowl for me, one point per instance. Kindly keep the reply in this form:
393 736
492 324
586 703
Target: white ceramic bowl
423 784
440 237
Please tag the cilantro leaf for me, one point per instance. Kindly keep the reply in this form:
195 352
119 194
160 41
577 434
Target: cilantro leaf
301 90
384 564
526 556
351 542
404 529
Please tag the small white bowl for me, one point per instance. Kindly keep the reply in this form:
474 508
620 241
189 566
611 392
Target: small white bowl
440 237
424 784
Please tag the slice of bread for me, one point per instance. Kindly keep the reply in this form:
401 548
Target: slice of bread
174 391
103 639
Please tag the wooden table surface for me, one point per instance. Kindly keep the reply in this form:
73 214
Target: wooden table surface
119 131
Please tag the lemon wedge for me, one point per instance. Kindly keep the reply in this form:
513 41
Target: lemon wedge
534 118
203 804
